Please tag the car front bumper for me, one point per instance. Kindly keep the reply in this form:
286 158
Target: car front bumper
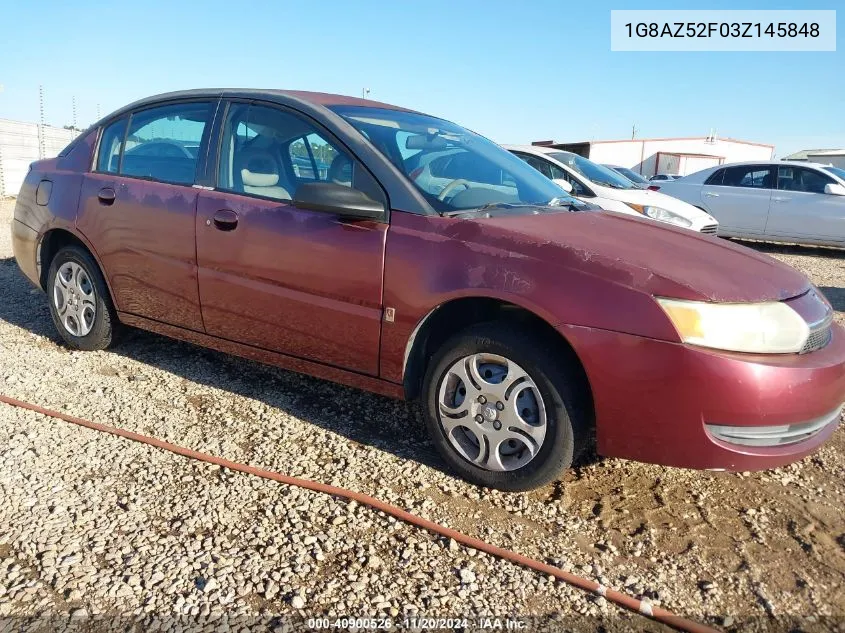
679 405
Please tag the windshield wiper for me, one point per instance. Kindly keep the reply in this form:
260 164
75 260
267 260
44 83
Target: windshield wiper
485 207
554 202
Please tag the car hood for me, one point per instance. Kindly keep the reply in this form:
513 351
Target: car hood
651 257
647 197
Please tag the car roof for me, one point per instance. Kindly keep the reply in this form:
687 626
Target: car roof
314 98
779 163
536 149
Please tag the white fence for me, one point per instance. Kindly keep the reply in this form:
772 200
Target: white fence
20 144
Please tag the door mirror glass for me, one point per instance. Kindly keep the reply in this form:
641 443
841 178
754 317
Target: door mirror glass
564 184
834 189
341 200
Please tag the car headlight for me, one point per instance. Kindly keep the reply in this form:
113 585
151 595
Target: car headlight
760 328
660 214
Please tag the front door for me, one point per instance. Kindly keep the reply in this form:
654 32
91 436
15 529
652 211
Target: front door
802 210
303 283
138 210
739 198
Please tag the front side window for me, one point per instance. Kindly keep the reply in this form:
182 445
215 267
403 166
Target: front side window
454 169
749 176
537 163
801 179
111 143
163 143
269 152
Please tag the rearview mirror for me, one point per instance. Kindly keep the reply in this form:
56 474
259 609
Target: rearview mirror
428 142
563 184
834 189
339 199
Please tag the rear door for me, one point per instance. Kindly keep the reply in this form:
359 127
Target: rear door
739 198
138 208
801 210
303 283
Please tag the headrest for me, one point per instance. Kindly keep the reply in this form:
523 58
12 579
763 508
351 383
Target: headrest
340 171
257 179
259 169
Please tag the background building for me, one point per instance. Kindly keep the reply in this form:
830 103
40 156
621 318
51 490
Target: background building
22 143
682 156
835 157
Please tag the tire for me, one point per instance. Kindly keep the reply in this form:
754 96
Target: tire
81 292
565 406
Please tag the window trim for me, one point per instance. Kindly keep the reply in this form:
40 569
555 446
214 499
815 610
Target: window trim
214 104
319 128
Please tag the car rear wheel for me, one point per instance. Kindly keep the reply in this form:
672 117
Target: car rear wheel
80 304
502 410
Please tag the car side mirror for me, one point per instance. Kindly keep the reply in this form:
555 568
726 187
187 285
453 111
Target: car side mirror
563 184
338 199
834 189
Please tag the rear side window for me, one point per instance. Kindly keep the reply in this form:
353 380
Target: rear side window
749 176
715 178
163 143
111 142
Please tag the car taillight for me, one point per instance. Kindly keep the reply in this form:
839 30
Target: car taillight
653 188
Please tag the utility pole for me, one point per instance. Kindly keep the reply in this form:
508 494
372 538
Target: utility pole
364 92
633 131
73 104
42 150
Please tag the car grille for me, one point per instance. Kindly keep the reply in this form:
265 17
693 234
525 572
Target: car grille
710 229
818 338
773 435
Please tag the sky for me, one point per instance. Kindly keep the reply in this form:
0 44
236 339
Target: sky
515 71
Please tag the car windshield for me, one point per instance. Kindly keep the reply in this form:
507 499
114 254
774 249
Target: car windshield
455 169
631 175
836 171
595 173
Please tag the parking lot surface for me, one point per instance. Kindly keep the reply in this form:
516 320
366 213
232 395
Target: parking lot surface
98 531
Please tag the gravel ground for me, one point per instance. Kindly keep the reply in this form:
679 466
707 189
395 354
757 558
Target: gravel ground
97 532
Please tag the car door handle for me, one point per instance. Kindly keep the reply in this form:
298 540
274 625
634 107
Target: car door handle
225 220
780 199
106 196
711 194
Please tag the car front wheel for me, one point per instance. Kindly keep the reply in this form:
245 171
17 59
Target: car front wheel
503 410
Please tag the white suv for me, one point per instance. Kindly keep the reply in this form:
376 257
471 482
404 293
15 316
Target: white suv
604 187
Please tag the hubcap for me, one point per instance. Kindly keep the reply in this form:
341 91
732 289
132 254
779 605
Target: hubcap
492 412
74 298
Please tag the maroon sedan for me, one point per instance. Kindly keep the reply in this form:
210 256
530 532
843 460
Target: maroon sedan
398 252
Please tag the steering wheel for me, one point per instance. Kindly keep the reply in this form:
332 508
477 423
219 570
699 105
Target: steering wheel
448 188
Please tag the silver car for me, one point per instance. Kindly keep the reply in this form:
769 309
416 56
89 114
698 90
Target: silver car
778 201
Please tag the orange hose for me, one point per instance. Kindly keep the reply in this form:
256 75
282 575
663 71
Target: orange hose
617 597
